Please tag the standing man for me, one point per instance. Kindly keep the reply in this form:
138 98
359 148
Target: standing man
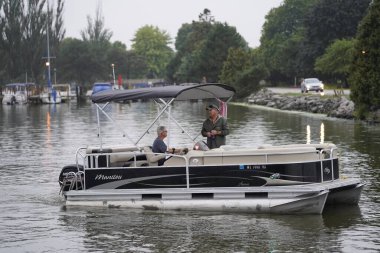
215 128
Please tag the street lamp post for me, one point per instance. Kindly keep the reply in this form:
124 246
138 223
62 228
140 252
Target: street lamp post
48 70
113 73
55 76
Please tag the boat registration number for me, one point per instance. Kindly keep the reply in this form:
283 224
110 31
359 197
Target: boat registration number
253 167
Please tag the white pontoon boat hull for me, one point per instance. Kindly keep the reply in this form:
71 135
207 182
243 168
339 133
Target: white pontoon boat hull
305 199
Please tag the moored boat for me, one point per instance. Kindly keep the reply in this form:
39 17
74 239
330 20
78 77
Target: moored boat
18 93
50 96
295 178
64 91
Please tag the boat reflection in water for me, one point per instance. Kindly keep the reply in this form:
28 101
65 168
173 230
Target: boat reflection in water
131 230
293 178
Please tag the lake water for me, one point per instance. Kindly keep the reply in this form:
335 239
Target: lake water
36 141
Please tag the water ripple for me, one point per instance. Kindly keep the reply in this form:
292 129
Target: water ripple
37 141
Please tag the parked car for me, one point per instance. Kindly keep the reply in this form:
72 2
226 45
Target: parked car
311 84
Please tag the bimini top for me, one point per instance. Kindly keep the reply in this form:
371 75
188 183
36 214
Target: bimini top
178 92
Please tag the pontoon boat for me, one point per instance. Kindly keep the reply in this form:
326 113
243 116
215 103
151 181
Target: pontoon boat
296 178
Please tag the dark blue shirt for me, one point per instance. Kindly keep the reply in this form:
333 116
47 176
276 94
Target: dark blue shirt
159 146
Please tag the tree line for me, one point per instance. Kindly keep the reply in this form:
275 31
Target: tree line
23 47
24 26
333 40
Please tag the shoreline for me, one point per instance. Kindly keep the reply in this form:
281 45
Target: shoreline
331 106
301 113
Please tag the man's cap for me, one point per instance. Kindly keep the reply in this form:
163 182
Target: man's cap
211 106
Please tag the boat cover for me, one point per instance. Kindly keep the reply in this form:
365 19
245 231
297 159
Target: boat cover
178 92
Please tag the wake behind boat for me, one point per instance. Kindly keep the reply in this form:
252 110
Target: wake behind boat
295 178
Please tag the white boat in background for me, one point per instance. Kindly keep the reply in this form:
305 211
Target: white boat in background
286 179
18 93
50 96
65 91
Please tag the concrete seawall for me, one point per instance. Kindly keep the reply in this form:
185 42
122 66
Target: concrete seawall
339 107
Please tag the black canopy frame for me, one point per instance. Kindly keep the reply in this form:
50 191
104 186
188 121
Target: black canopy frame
164 97
177 92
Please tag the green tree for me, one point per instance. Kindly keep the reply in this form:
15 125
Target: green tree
248 81
117 55
244 70
327 21
95 31
87 62
202 47
238 60
78 61
215 50
12 37
189 42
337 59
75 61
206 16
153 44
97 38
137 66
33 39
365 72
281 39
90 59
23 27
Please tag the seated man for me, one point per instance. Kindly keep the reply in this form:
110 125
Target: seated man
159 145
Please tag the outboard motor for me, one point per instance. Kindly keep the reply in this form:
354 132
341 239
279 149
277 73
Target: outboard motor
68 173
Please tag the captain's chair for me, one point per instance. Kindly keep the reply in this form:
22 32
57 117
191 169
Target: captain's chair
151 157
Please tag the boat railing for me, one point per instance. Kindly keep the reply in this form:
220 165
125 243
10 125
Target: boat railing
91 160
107 158
80 155
73 181
332 163
272 156
322 155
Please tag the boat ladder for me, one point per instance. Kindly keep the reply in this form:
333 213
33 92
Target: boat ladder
72 180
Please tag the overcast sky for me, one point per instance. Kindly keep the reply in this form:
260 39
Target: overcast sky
125 17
